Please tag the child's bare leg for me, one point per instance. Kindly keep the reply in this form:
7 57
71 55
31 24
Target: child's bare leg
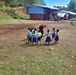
54 41
57 42
45 42
48 43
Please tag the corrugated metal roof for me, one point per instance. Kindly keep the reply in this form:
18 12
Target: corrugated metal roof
61 14
68 12
43 6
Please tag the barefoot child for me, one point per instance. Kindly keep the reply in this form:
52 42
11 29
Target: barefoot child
53 33
39 36
35 37
48 38
29 35
56 37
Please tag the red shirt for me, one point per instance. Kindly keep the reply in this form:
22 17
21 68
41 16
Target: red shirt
41 27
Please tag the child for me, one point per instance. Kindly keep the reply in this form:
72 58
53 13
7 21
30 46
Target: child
29 35
48 38
56 37
35 38
39 35
53 33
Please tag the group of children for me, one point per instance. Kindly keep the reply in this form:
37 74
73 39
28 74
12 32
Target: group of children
34 36
54 34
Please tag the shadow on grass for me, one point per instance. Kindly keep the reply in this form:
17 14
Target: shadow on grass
26 44
1 47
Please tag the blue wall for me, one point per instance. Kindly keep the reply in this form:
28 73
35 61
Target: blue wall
35 10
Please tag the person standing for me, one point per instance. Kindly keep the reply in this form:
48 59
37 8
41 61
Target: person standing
56 36
48 37
41 27
53 33
39 36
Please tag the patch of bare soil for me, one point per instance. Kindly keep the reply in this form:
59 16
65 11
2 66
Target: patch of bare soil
20 12
14 33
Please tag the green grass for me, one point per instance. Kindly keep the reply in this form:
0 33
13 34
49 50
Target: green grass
18 21
16 58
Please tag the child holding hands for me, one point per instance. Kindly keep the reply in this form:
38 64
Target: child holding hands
48 37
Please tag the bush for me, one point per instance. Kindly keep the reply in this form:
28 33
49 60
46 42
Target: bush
14 4
13 14
2 4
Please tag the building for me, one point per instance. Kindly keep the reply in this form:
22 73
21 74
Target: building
63 16
41 12
66 15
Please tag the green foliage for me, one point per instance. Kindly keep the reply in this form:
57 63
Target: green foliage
61 7
41 2
72 5
13 14
2 4
14 3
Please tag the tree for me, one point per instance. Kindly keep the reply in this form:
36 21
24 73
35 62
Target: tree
15 3
72 6
1 4
61 7
41 2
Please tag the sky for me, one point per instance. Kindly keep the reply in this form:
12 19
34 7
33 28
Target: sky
56 2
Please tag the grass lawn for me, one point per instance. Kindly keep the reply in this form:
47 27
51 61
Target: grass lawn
18 58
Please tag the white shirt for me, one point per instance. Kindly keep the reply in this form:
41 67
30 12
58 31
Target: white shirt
53 31
39 34
35 34
48 34
56 34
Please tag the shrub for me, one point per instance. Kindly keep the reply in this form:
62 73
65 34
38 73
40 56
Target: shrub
13 14
2 4
14 4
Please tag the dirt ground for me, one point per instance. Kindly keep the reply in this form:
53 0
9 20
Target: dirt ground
16 58
8 32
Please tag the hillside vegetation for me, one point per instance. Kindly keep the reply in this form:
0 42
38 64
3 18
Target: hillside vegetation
16 8
4 15
14 13
16 3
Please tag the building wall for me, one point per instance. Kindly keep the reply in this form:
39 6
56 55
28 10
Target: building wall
39 13
35 10
36 16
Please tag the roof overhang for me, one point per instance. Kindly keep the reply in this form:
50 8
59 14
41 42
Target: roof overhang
42 6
